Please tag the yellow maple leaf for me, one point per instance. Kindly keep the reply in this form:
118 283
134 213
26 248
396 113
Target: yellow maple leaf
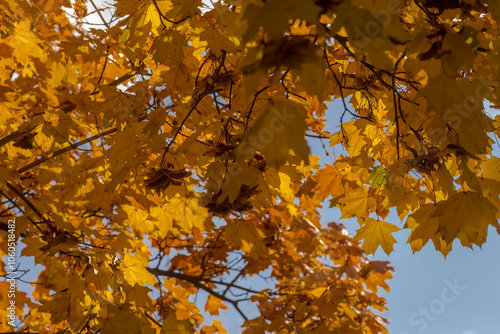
126 143
214 304
279 129
134 270
491 168
466 212
169 45
217 41
423 225
329 182
312 76
143 21
243 234
355 135
46 137
441 92
236 178
267 18
138 295
376 233
187 212
25 42
215 328
172 325
164 219
185 308
122 321
358 203
138 219
281 183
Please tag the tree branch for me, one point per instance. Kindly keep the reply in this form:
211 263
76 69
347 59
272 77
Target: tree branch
65 149
13 136
98 10
196 281
19 208
16 134
25 200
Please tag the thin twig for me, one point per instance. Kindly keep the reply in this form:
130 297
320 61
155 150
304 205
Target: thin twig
20 209
166 18
288 91
102 72
99 13
196 282
395 101
257 93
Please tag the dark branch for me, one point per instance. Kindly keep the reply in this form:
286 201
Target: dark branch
197 282
25 200
65 149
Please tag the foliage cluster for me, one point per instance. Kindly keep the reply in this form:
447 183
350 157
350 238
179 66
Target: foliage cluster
163 152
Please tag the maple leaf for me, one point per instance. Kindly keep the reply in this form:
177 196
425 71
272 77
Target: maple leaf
164 218
329 182
25 43
423 224
167 41
137 219
122 321
491 168
134 270
215 328
178 128
217 41
188 213
358 203
138 295
172 325
468 213
214 304
243 234
185 308
279 129
264 17
375 233
146 19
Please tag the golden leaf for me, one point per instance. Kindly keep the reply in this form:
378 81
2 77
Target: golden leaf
375 233
134 270
187 213
243 234
172 325
468 213
214 304
25 42
122 321
279 129
358 203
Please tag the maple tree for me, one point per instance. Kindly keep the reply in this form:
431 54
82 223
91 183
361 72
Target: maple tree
162 152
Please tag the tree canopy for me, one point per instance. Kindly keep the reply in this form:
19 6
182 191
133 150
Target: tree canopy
162 151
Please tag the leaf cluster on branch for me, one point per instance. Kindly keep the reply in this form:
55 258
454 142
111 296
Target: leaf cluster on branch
155 149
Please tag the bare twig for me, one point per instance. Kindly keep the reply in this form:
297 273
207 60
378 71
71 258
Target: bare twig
98 10
196 281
